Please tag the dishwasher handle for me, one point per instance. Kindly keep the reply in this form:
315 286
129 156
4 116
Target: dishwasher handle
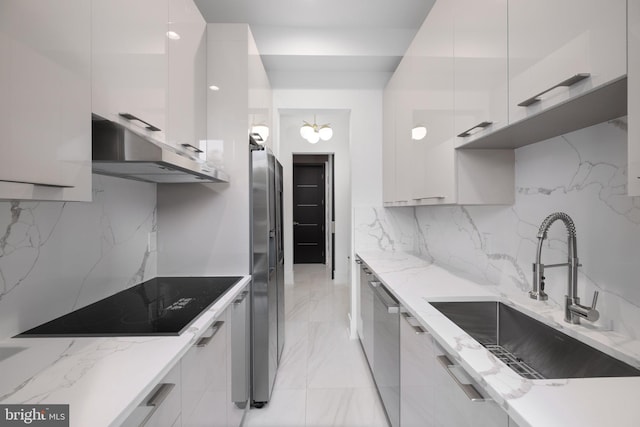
390 304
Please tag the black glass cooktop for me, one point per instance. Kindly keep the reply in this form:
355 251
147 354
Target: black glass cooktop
160 306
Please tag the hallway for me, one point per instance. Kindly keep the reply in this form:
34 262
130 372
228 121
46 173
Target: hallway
323 379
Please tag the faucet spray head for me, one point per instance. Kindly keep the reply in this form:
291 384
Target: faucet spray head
537 292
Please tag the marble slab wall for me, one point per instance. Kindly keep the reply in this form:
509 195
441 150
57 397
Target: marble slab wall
582 173
56 257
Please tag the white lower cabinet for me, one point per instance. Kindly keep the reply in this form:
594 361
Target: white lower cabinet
367 282
416 375
459 401
436 392
204 379
238 359
215 371
161 408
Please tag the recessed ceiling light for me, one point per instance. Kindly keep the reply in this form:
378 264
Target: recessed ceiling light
214 87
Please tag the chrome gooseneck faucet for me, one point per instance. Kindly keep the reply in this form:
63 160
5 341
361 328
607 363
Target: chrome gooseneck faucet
573 310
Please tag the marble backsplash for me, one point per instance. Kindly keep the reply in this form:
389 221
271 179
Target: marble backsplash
56 257
582 173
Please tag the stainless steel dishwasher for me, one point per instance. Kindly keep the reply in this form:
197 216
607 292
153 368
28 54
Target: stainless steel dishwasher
386 351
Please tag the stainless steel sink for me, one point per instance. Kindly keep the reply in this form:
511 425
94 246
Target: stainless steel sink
529 347
7 352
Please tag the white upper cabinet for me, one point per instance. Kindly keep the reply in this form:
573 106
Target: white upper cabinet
45 88
480 68
634 98
430 95
130 63
559 50
388 147
187 96
422 93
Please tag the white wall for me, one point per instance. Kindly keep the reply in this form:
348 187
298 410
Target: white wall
365 159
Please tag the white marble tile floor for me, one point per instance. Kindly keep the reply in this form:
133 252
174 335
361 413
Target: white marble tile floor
323 379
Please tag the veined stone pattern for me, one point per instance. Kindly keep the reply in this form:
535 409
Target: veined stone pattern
56 257
583 174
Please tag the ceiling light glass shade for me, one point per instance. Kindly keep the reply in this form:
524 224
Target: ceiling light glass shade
325 133
313 138
418 133
262 130
306 130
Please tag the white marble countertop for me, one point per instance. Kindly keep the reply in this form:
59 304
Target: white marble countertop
102 379
588 402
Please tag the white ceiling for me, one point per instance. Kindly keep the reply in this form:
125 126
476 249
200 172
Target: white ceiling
317 44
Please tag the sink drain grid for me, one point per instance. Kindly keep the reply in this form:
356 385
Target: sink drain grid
514 362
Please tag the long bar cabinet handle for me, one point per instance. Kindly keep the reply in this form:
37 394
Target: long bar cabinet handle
131 117
156 400
568 82
481 125
203 342
419 330
469 390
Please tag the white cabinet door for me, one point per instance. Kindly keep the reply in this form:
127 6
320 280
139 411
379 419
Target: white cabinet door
417 392
480 68
405 174
204 379
454 404
367 281
45 86
388 146
431 106
359 322
161 408
552 41
130 62
238 358
187 62
633 99
422 92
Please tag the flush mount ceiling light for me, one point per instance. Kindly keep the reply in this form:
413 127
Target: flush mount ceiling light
418 133
314 132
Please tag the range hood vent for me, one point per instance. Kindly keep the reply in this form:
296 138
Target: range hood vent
121 152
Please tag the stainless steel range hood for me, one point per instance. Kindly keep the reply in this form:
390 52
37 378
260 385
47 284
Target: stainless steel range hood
121 152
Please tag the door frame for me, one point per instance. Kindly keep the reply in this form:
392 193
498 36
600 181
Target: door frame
326 159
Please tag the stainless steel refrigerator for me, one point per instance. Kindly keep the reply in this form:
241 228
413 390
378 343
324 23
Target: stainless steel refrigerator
267 302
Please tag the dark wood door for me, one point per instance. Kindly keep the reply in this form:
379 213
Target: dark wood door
308 214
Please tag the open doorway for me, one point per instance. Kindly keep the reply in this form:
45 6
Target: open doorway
313 210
